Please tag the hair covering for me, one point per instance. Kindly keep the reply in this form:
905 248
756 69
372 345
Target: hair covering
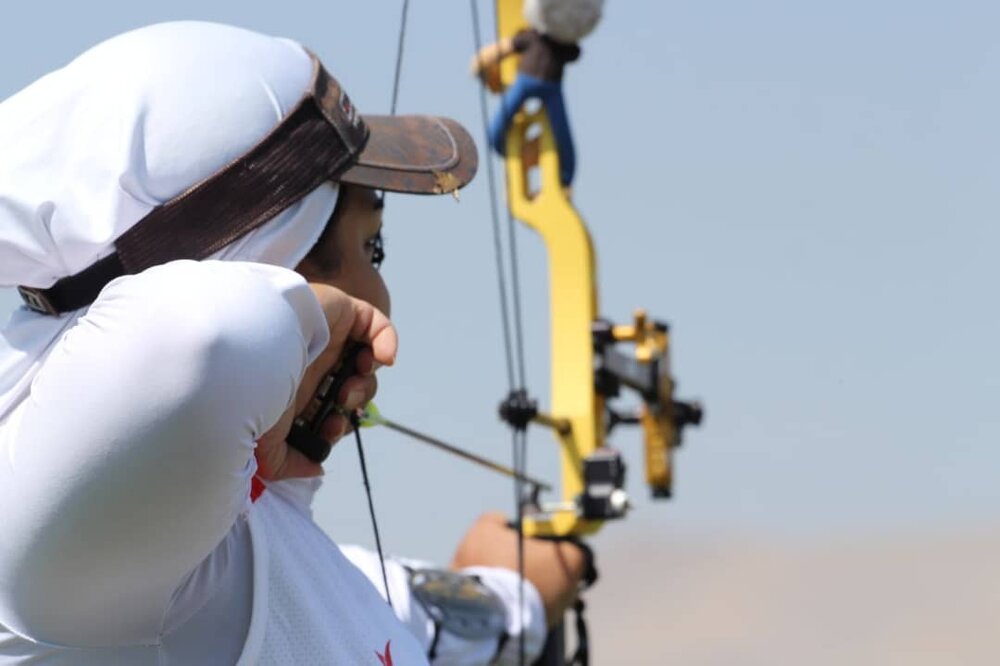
566 21
88 150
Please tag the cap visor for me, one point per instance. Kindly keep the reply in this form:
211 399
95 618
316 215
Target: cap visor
415 154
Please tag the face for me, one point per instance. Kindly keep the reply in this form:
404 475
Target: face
349 251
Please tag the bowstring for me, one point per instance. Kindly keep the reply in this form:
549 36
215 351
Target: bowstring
371 506
399 58
518 381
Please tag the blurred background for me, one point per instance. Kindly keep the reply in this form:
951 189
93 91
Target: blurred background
808 193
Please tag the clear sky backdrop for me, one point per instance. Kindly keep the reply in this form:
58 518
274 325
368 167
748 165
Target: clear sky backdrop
807 192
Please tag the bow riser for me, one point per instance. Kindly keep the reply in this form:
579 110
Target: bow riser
588 366
573 299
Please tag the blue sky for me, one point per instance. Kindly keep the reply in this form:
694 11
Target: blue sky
807 193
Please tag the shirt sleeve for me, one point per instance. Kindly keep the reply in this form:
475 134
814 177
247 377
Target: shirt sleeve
451 649
132 457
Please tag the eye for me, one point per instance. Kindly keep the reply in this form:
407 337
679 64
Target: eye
375 247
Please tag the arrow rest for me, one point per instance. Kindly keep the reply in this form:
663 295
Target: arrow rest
604 494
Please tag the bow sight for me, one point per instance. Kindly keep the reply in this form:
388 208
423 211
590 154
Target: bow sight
646 371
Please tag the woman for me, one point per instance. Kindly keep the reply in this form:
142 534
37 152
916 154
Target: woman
153 510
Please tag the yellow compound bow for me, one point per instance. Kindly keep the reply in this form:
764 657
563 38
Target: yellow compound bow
588 364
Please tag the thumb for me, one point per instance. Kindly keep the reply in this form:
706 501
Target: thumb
372 328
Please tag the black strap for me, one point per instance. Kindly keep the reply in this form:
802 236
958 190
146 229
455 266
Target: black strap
555 643
501 643
432 651
74 292
582 655
590 574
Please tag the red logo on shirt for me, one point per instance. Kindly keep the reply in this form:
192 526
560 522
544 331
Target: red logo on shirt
386 658
257 488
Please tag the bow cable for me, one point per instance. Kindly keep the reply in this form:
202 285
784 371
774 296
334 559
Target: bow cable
399 58
517 388
495 217
354 417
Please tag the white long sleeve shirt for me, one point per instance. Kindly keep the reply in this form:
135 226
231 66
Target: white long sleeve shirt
127 532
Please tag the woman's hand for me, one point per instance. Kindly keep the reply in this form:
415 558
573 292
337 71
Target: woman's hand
348 319
554 568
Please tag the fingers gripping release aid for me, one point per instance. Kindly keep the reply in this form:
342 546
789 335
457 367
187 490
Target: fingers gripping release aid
305 433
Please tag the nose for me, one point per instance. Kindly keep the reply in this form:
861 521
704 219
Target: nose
379 294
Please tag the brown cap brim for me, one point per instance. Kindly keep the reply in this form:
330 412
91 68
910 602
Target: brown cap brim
414 154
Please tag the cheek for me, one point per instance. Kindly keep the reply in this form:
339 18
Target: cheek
380 298
369 286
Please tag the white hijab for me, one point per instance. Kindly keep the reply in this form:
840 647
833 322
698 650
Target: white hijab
88 150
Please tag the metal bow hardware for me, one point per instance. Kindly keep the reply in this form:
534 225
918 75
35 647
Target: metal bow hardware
593 360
